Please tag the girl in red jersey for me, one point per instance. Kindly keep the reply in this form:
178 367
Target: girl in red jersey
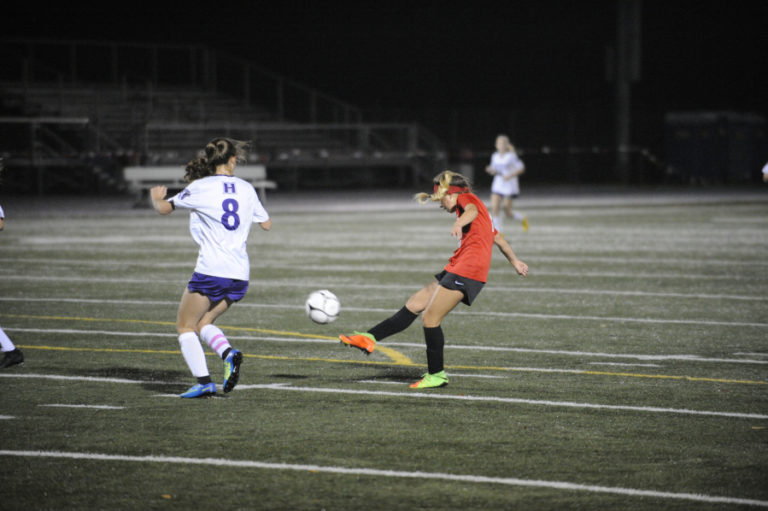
460 281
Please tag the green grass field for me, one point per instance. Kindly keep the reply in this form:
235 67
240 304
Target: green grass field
628 371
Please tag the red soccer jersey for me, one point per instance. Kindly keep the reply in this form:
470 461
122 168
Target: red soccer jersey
472 259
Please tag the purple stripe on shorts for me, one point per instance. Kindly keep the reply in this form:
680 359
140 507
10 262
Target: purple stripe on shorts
218 288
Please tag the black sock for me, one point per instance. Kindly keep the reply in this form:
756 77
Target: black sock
435 341
226 352
398 322
204 380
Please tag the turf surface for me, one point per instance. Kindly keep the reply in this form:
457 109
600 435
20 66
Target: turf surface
628 371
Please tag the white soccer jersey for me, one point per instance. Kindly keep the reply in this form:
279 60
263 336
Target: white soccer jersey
222 211
505 164
2 213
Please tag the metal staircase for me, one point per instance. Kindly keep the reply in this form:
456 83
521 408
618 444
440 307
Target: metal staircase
66 123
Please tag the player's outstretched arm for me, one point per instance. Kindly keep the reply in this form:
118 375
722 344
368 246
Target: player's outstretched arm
520 266
157 194
470 213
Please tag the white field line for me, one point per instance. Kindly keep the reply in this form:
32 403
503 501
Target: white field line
399 474
90 263
345 269
650 260
88 300
116 239
614 319
442 245
582 354
582 250
177 249
508 400
88 379
609 292
343 285
504 289
681 357
477 376
431 238
429 233
428 226
528 315
417 395
90 332
95 407
6 417
389 268
95 280
520 369
457 375
322 251
368 257
619 364
734 219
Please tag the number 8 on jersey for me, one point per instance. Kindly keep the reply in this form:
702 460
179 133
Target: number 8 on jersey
230 220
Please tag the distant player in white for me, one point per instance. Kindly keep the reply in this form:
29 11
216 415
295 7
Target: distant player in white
222 209
11 354
505 168
765 173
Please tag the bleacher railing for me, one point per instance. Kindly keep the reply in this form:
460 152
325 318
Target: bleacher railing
143 102
276 142
142 66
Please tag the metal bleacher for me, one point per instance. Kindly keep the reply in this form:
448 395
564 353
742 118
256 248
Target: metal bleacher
129 115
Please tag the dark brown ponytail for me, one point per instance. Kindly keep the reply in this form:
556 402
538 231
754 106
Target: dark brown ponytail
216 152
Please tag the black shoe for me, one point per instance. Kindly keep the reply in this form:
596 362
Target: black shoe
12 358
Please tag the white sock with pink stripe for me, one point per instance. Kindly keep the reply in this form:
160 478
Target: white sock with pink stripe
215 339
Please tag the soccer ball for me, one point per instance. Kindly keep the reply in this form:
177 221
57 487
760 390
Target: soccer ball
322 306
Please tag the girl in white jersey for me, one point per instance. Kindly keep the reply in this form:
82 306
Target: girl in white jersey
222 209
11 354
505 168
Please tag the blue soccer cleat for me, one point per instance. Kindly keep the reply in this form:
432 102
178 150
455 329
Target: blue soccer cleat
232 369
200 390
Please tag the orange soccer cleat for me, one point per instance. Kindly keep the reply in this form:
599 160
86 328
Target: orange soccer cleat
365 342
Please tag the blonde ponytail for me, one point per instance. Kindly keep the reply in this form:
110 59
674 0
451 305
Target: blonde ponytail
444 182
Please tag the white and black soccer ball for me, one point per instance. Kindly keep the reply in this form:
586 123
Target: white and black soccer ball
322 306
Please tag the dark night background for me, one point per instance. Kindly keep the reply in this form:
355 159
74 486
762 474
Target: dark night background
455 66
696 54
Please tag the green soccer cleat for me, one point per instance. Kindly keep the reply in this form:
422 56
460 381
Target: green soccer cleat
430 381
